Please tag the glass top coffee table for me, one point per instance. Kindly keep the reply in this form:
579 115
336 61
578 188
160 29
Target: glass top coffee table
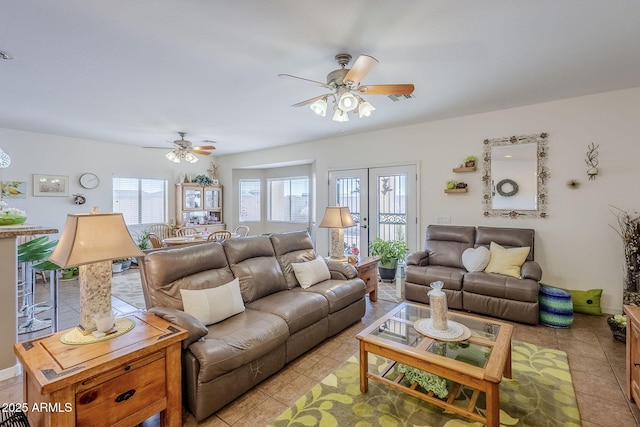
479 362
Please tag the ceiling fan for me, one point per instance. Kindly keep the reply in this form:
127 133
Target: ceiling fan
184 150
345 87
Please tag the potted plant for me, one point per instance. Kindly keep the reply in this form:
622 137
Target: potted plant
470 161
451 184
389 251
69 273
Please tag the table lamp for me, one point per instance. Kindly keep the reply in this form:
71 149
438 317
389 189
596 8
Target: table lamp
91 242
337 218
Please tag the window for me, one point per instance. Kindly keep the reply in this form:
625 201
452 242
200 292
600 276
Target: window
288 199
141 201
250 200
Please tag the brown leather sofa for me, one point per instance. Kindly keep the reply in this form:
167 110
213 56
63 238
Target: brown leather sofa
280 322
490 294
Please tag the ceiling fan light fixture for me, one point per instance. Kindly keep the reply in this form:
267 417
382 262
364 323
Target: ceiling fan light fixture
347 101
172 156
320 107
340 116
365 109
190 158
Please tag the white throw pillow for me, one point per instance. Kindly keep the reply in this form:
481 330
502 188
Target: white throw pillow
476 259
311 272
213 305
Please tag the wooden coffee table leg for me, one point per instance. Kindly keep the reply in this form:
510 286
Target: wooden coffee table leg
493 405
507 366
364 368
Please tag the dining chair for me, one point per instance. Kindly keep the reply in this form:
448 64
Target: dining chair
162 231
242 230
219 236
156 242
186 231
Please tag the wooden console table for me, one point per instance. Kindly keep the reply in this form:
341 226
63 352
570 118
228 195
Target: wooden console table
368 271
117 382
633 353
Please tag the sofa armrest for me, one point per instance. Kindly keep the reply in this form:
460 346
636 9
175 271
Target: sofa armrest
531 270
194 327
420 259
341 270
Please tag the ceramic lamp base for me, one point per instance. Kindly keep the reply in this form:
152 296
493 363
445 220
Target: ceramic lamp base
95 293
337 245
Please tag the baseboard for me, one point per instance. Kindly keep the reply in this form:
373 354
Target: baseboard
11 372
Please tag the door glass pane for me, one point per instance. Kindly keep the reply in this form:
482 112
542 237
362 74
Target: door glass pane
392 206
348 194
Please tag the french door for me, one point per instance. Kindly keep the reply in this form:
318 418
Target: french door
382 201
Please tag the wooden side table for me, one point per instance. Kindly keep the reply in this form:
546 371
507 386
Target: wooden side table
633 353
368 271
116 382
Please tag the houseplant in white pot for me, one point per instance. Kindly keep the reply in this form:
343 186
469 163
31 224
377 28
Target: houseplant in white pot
390 252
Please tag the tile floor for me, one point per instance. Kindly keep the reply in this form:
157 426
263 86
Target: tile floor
597 363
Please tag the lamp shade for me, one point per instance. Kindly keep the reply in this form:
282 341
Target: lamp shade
319 107
89 238
337 217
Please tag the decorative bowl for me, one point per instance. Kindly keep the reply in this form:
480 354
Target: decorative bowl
619 331
11 220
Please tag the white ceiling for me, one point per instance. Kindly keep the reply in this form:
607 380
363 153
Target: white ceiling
137 72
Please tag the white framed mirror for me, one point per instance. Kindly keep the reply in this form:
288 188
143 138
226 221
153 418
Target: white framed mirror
515 176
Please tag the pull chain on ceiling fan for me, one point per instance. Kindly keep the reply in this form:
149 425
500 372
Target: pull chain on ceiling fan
346 89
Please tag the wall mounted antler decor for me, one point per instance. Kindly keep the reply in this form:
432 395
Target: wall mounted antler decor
592 160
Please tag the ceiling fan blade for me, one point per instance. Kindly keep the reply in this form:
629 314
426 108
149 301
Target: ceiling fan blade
204 147
206 153
315 82
308 101
398 89
360 69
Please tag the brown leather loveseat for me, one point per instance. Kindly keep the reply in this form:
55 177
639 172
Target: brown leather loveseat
491 294
280 321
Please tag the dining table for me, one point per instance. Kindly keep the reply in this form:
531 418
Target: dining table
187 240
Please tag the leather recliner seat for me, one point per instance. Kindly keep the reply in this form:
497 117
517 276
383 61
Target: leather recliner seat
480 292
280 322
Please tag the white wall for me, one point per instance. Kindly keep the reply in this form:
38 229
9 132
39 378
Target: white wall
575 246
35 153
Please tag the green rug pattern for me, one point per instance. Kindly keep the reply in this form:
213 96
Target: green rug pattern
541 393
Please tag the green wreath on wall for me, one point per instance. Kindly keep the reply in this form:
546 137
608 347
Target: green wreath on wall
507 187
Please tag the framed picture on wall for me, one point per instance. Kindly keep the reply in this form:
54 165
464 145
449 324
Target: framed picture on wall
50 185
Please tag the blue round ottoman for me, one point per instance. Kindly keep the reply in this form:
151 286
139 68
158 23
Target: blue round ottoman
556 308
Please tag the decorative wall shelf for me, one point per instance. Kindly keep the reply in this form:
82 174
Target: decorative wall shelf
456 190
465 169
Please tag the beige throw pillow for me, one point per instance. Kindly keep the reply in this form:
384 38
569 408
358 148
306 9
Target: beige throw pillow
506 261
311 272
213 305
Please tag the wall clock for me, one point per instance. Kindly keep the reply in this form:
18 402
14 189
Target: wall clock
89 180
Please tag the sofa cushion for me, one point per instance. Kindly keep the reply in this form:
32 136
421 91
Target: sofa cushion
506 261
311 272
213 305
445 244
253 262
507 238
339 293
292 247
237 341
501 286
476 259
298 309
452 277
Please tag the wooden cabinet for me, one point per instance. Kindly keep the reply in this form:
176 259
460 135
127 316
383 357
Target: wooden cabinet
117 382
199 207
368 271
633 353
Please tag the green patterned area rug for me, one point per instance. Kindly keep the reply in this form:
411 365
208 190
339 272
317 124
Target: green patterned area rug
541 393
